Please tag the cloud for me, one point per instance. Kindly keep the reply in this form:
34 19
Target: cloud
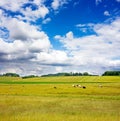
98 1
27 57
20 30
24 10
21 40
55 4
59 69
85 27
23 68
46 20
118 0
32 15
106 13
24 47
51 57
95 51
76 3
4 33
58 3
13 5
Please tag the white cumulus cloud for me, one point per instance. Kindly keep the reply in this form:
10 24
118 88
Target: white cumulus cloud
58 3
94 51
45 21
25 9
106 13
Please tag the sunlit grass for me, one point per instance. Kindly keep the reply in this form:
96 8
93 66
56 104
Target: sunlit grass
110 89
29 108
63 79
43 102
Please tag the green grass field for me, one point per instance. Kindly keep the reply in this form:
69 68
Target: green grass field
36 99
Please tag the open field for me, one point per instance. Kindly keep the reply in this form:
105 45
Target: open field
37 99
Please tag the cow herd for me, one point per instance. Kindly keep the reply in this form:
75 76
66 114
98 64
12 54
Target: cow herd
78 86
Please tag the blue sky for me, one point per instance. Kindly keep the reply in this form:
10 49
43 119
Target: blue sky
49 36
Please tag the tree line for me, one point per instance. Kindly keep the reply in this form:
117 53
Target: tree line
111 73
106 73
11 75
68 74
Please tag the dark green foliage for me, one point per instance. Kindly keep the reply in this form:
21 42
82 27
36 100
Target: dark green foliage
11 75
85 74
76 74
67 74
111 73
30 76
57 74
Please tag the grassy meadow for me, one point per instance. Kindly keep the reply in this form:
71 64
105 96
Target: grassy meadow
55 99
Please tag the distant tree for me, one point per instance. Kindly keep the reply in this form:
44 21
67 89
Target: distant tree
80 74
85 74
30 76
68 74
11 74
111 73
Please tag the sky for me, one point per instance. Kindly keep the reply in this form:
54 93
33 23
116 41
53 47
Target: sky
50 36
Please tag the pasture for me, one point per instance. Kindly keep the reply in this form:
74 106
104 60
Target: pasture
55 99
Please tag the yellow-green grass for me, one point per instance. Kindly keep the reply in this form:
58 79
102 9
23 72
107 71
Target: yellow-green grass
43 102
64 79
35 108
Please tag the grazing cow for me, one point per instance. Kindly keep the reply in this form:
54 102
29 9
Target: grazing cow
55 87
79 86
73 85
84 87
100 86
